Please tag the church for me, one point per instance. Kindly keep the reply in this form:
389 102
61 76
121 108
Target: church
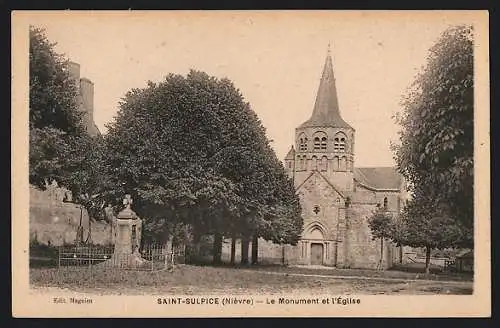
337 198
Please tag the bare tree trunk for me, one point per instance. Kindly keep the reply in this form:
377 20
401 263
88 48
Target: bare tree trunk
381 264
427 259
197 248
89 237
217 248
255 249
193 254
233 249
283 262
79 232
244 249
111 232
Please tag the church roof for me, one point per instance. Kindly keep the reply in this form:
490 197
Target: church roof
326 108
378 177
291 154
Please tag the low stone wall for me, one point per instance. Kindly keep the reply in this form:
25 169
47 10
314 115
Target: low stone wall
55 222
57 234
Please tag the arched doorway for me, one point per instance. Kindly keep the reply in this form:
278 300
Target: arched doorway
316 254
317 246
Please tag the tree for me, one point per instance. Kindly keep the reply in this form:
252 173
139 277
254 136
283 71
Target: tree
60 148
423 225
166 169
52 94
435 154
47 146
86 176
382 227
53 111
272 209
191 151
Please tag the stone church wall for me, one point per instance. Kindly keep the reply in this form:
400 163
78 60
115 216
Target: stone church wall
317 192
360 249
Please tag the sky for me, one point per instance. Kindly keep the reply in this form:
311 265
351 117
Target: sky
274 58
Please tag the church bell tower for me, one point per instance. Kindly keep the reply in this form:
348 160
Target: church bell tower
325 142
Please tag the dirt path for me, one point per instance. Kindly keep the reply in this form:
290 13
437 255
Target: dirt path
465 283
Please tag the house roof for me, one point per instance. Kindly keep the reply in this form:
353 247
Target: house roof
378 177
326 111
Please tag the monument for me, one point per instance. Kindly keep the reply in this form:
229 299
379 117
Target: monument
128 237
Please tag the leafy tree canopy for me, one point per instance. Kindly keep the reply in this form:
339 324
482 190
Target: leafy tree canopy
381 225
52 94
424 226
53 115
60 148
191 150
436 150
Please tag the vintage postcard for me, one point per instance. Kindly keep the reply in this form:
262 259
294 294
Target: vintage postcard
250 163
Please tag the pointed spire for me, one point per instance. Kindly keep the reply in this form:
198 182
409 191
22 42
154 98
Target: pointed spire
326 108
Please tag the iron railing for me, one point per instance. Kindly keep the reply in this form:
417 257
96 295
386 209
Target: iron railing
152 257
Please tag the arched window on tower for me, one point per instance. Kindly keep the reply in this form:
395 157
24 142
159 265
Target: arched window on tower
320 140
385 203
299 163
339 142
303 144
317 144
323 143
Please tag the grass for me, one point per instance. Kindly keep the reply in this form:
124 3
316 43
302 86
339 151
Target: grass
193 280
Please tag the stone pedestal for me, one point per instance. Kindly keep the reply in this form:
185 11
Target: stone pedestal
128 238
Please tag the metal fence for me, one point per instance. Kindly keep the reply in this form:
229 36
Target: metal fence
152 257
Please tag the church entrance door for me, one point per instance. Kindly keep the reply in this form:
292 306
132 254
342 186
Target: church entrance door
316 254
